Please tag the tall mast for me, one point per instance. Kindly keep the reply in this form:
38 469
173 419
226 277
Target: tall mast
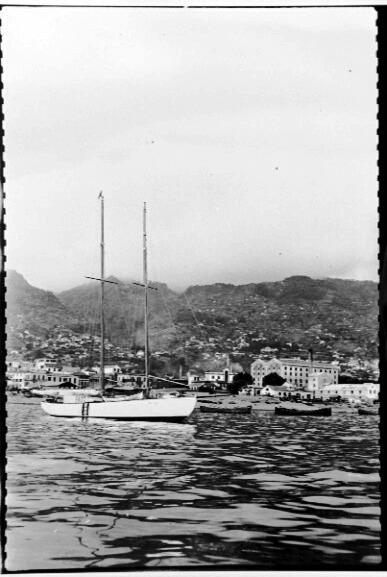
145 280
102 357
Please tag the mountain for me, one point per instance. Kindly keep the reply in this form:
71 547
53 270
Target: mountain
31 311
328 315
123 311
337 318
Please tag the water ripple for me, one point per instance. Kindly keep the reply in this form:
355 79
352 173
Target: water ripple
248 490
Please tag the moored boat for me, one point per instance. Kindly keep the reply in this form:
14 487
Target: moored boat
292 410
136 407
175 409
225 409
369 411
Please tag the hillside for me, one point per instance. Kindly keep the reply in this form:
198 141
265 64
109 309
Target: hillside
124 311
337 318
333 316
31 312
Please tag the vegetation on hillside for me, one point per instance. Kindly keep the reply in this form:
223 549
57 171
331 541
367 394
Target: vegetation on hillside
337 318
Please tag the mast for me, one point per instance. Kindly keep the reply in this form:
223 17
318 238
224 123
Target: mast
102 357
145 281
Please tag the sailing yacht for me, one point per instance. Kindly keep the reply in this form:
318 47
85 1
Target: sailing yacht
140 407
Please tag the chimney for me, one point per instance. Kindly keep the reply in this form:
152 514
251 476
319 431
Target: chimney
310 356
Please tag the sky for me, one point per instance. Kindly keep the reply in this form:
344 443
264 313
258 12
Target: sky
251 135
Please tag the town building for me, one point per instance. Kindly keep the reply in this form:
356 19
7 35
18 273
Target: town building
211 377
225 376
283 391
109 370
318 380
45 364
295 371
350 391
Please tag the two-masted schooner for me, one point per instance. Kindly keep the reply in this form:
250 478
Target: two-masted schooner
139 407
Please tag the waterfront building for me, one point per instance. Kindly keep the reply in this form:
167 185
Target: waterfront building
277 390
59 378
211 377
225 376
135 380
295 371
318 380
350 391
21 379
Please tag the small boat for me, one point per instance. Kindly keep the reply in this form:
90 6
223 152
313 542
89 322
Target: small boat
143 407
303 410
223 409
369 411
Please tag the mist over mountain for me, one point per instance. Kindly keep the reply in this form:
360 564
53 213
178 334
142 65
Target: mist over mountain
337 318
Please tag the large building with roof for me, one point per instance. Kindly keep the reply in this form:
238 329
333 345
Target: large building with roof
295 371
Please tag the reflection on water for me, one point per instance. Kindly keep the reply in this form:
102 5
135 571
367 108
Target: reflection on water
247 490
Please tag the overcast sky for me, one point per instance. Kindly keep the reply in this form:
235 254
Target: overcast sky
251 134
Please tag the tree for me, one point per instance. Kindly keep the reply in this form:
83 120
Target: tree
238 382
273 379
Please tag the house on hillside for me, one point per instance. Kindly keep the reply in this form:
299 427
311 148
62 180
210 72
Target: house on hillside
109 370
45 364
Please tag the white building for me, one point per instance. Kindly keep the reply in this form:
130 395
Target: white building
45 364
109 370
225 376
295 371
57 378
318 380
277 390
351 391
21 379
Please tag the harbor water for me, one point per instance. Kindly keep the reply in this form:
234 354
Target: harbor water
222 490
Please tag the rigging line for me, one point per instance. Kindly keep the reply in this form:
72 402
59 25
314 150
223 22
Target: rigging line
94 319
135 314
91 305
179 337
93 331
123 314
194 316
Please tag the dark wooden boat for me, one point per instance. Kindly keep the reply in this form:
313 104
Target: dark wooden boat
319 412
370 411
220 409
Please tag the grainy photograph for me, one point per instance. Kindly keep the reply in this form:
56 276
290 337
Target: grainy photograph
192 372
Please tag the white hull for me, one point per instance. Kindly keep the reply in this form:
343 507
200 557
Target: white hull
167 409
